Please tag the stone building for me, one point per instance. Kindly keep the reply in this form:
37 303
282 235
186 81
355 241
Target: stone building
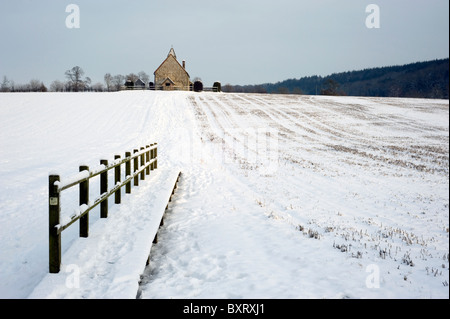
139 84
171 75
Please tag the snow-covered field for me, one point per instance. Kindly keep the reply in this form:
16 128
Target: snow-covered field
282 196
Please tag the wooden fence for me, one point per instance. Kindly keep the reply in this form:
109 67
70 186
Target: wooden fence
148 158
172 88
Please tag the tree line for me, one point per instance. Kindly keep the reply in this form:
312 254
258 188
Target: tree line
419 80
76 81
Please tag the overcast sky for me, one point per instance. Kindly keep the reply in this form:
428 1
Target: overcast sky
233 41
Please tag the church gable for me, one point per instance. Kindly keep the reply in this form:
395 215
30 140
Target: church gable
173 70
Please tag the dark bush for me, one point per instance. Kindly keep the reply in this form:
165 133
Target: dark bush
129 84
217 87
198 86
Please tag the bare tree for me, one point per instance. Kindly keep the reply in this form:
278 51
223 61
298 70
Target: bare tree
35 85
23 87
117 81
132 77
57 86
5 86
144 77
87 83
98 87
108 81
75 78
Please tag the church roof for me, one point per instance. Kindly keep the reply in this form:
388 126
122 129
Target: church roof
139 82
166 80
172 52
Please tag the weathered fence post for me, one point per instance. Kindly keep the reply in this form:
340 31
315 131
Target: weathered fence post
117 181
136 168
54 208
156 156
142 164
84 200
147 159
128 172
152 156
104 189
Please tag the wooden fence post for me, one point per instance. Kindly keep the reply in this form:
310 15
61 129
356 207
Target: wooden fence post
136 168
156 156
84 200
116 181
147 159
54 206
104 189
142 164
152 156
128 173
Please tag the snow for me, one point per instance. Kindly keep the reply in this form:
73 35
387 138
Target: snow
281 196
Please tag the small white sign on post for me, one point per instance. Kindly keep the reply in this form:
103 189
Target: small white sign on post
53 201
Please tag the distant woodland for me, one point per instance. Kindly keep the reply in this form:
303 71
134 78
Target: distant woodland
418 80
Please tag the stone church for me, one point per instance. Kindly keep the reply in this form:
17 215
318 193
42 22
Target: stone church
171 75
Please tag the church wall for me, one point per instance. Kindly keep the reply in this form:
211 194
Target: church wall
172 69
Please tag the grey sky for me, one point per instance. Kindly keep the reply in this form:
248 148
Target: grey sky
233 41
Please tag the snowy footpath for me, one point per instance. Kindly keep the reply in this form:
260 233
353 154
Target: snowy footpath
281 196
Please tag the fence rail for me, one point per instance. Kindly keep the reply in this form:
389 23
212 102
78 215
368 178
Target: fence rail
172 88
148 158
